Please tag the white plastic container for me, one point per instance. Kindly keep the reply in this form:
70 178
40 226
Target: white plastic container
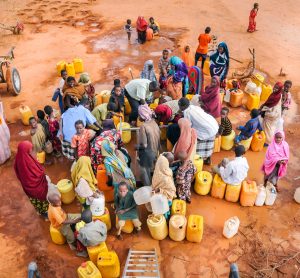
250 87
297 195
271 195
227 96
261 196
98 206
231 227
148 207
142 195
159 204
258 90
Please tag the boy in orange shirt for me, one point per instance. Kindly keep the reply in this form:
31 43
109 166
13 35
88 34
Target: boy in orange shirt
204 40
60 220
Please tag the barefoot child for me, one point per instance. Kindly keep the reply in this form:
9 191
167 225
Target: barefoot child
38 136
81 140
126 208
163 66
184 177
286 95
128 28
225 127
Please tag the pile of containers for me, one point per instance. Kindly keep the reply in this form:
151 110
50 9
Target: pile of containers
76 66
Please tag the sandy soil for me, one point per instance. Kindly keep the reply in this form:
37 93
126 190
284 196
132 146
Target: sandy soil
62 30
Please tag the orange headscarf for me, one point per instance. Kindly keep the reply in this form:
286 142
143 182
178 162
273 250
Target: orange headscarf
187 139
187 57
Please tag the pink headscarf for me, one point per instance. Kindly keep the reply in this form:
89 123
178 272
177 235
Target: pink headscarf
275 153
145 112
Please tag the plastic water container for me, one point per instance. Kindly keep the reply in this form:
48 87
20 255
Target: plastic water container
157 226
153 106
105 96
222 94
169 146
203 183
217 144
127 228
94 251
258 79
261 196
105 218
246 143
66 189
139 123
178 207
57 236
78 65
102 178
218 187
189 96
116 118
127 106
79 225
271 194
70 69
97 99
236 98
88 270
227 142
266 92
258 141
232 193
109 265
149 34
159 204
248 193
229 84
252 101
250 87
177 227
142 195
258 91
297 195
198 162
109 195
26 114
126 135
41 157
194 231
98 206
61 65
231 227
206 70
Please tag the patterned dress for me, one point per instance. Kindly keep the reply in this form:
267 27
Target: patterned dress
184 178
113 136
82 143
53 129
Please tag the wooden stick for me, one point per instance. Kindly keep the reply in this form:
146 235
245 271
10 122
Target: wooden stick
235 60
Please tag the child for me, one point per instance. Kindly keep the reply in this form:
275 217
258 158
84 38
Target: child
235 88
41 119
126 208
163 66
184 177
250 128
128 28
58 92
38 136
81 140
117 94
89 88
225 127
204 40
187 56
154 26
62 221
286 96
235 171
53 124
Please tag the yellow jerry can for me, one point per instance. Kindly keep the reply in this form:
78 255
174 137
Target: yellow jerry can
105 218
65 187
218 187
178 207
78 65
194 231
232 193
26 114
57 236
94 251
88 270
227 142
109 265
157 226
203 183
70 69
61 65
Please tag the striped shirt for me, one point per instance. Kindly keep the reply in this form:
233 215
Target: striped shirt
225 128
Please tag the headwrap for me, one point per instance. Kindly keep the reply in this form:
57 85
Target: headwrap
145 112
164 113
211 99
274 98
141 24
148 73
108 124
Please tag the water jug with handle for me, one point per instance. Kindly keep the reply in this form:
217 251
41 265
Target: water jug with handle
198 162
78 65
178 207
26 114
271 194
231 227
98 206
258 141
159 204
109 265
142 195
177 227
194 231
248 193
227 142
157 226
88 270
203 183
218 187
250 87
261 196
126 135
297 195
236 98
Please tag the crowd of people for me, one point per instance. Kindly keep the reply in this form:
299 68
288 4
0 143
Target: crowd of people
87 135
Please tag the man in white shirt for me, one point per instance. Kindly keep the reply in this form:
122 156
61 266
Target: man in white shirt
235 171
137 91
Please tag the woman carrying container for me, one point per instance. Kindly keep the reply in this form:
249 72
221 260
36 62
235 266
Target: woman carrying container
32 177
276 160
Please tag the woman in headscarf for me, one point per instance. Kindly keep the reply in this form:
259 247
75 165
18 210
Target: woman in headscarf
252 23
276 160
219 63
72 92
32 177
141 27
271 112
84 179
187 57
177 82
196 80
148 71
115 163
89 88
187 140
167 111
148 143
210 98
205 125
